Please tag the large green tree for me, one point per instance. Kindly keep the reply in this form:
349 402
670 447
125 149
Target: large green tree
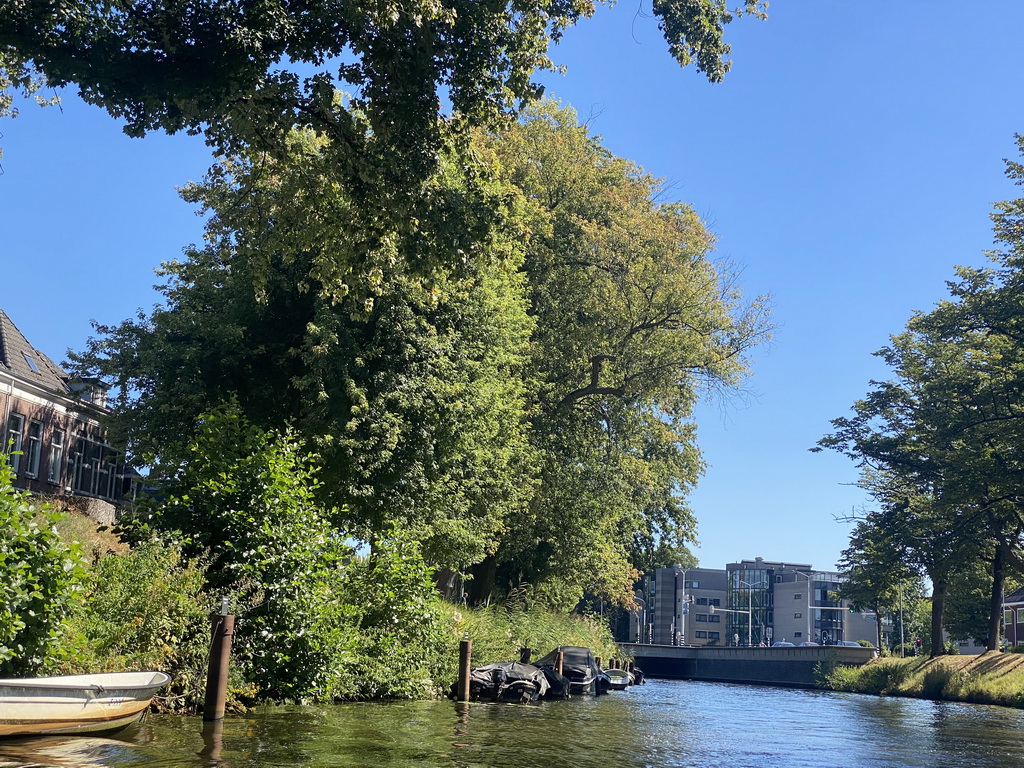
634 320
949 424
896 436
413 400
531 412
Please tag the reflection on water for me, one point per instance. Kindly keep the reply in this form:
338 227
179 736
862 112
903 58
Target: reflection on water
673 724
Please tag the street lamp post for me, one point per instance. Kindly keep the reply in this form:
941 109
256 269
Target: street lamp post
679 613
713 609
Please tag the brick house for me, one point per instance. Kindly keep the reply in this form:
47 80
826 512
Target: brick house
53 430
1013 617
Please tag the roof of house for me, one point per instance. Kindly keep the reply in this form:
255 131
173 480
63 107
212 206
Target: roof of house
1014 597
19 358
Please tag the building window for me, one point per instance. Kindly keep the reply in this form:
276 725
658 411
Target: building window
53 471
702 601
716 619
713 635
692 585
31 362
102 478
798 634
798 596
1020 615
702 617
798 615
15 426
715 601
33 448
701 634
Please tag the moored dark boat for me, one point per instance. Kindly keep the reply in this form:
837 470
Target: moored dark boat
558 685
579 666
510 681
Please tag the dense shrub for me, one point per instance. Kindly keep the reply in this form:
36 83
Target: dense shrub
146 609
991 678
245 501
40 579
882 676
403 639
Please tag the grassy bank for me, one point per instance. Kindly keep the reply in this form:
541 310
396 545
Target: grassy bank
992 678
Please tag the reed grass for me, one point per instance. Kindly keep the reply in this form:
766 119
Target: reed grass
499 632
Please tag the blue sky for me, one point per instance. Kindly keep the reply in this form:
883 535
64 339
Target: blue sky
847 163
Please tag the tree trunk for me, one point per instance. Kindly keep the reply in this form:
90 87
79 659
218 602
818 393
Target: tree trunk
878 627
482 583
996 601
446 581
938 606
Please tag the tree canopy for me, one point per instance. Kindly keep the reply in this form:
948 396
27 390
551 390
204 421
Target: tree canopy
528 415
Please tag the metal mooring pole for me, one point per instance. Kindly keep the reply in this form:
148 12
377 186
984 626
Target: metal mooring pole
220 658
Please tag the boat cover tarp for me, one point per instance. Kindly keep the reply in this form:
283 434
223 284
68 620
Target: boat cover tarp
558 685
508 679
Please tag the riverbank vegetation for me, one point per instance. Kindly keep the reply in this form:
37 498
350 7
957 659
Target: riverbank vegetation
514 433
991 678
371 626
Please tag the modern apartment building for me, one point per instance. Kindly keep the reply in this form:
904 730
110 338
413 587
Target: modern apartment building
750 602
676 607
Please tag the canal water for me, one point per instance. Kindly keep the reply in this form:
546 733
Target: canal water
661 724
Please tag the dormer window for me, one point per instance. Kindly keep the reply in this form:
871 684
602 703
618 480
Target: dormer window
31 362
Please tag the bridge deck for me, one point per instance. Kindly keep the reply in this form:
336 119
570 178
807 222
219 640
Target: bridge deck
768 666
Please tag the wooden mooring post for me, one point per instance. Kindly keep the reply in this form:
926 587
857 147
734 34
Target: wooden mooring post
559 661
223 629
524 655
465 663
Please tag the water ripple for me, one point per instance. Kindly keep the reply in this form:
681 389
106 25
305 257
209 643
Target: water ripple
664 724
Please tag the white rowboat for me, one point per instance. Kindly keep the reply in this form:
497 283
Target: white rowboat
619 677
76 703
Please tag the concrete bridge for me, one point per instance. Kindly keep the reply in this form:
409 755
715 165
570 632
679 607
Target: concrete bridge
767 666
